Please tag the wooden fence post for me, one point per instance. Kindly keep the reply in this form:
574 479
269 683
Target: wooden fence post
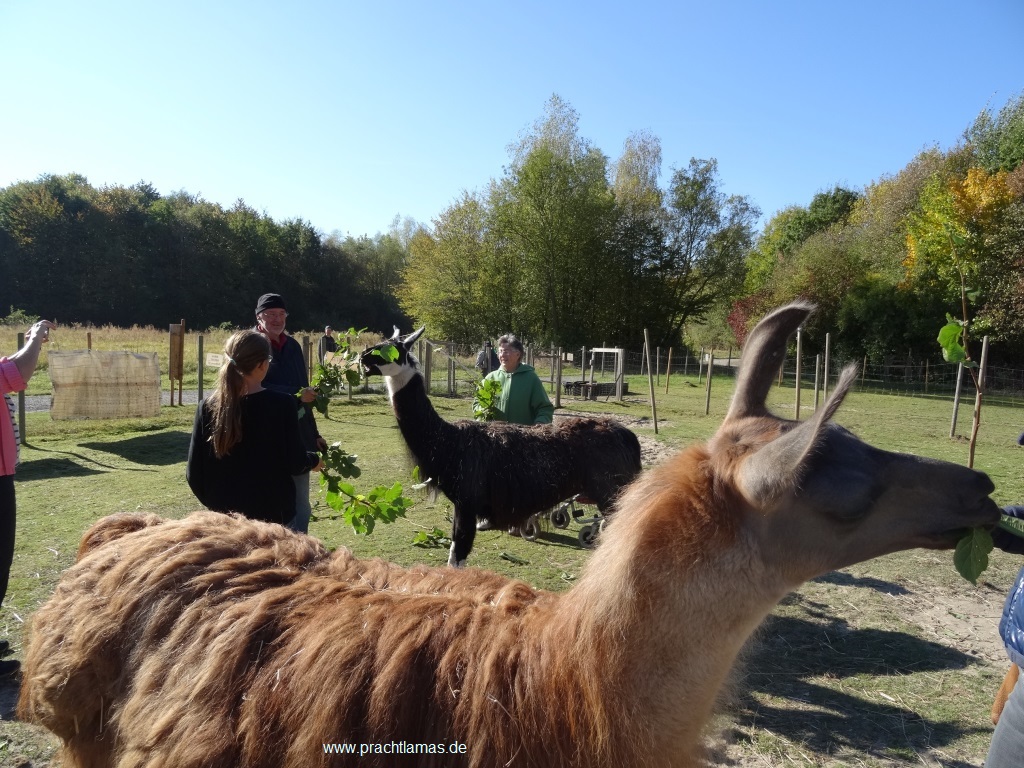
817 370
956 399
828 352
201 369
707 384
799 362
558 379
977 401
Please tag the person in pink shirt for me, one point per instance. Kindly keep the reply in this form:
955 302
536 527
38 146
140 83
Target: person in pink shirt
15 371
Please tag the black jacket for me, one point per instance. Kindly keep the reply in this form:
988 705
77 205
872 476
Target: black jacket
255 478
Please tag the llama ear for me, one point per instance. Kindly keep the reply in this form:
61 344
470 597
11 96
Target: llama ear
779 466
763 353
411 338
396 335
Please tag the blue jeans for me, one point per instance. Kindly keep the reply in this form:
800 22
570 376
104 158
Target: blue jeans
1007 748
303 509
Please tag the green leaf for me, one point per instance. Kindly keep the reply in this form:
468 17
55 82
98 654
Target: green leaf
389 352
971 556
949 340
1012 525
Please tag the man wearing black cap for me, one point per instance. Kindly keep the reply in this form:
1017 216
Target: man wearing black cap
287 374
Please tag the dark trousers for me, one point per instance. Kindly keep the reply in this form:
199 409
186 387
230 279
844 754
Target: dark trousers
7 520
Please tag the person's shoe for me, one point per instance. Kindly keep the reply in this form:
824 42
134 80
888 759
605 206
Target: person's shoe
483 524
9 667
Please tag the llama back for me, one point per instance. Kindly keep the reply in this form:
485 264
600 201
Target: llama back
529 469
608 457
222 641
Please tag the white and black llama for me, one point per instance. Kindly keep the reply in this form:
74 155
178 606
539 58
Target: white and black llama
498 471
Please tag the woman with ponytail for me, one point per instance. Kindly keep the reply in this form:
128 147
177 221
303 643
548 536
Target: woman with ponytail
245 441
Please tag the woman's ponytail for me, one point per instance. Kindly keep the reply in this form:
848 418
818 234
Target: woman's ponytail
243 353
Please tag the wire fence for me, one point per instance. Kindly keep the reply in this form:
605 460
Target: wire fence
934 379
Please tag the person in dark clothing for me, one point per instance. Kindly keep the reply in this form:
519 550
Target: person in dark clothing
487 359
327 344
245 443
288 375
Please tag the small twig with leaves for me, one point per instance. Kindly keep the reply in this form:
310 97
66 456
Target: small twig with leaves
360 510
341 371
485 401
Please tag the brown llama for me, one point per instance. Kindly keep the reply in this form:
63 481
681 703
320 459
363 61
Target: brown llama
219 641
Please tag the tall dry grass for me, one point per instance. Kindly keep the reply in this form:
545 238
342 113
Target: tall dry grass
144 340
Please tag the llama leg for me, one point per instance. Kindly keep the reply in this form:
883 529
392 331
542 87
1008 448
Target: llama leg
463 533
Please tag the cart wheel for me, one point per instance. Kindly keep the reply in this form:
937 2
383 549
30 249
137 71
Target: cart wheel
530 529
560 517
588 536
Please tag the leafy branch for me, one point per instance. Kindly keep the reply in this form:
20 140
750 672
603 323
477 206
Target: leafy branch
485 401
337 373
360 510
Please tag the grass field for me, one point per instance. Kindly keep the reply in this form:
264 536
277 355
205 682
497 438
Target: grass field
891 662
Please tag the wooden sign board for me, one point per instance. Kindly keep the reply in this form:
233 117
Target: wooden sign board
176 358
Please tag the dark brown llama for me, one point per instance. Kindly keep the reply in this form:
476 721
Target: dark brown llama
501 472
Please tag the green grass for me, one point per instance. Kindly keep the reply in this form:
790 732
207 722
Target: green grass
879 663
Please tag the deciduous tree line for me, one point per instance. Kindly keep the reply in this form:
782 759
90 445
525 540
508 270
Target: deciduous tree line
887 264
126 255
567 248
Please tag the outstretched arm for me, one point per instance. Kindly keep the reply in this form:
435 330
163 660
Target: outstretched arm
27 357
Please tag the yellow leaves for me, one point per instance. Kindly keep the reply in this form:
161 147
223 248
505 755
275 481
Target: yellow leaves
980 196
948 236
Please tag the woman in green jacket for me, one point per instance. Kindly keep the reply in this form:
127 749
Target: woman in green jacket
522 399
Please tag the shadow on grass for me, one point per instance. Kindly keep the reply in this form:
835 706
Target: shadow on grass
46 469
9 687
847 580
782 692
159 449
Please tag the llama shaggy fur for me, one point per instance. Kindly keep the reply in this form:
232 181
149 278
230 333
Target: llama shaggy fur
216 640
497 471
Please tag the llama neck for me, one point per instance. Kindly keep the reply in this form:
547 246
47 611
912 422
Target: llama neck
680 638
418 422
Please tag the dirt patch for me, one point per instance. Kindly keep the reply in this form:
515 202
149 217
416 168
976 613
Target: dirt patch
652 452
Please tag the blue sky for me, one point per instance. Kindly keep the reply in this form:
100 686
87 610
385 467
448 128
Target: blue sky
347 114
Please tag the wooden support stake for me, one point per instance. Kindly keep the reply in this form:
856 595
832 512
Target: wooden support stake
650 381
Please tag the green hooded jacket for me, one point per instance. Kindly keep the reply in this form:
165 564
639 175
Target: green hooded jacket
522 399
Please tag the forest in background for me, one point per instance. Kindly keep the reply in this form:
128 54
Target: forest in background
565 247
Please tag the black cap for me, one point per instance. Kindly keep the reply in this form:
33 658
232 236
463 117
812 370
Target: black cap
270 301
